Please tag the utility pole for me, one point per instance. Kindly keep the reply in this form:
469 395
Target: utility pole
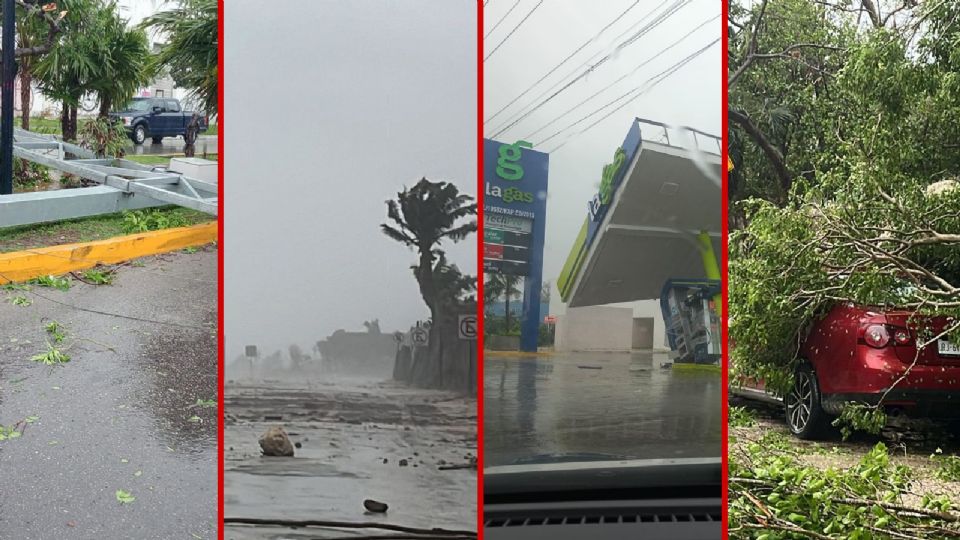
6 99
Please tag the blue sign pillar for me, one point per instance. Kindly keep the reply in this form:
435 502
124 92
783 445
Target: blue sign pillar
514 214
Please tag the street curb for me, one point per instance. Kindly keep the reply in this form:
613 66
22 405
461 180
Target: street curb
20 266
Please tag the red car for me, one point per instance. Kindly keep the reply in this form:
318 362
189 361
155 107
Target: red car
856 353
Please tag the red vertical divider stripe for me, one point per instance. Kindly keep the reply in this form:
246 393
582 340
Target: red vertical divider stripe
725 361
480 269
221 350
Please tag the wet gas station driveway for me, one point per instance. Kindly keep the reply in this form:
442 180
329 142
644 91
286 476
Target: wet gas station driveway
573 406
133 409
359 439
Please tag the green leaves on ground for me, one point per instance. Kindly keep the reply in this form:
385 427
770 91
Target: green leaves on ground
19 300
55 282
98 276
775 496
52 356
125 497
56 331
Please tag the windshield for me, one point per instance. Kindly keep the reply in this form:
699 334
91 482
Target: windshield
601 260
137 105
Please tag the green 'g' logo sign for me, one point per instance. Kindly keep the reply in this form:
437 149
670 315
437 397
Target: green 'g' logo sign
508 166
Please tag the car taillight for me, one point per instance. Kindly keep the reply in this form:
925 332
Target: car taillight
876 335
901 336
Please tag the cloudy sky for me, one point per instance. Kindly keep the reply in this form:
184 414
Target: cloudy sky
330 108
553 31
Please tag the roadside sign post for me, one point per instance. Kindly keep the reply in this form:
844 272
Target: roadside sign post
514 223
420 337
467 327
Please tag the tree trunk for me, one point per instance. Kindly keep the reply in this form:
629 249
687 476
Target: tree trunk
64 120
105 105
26 94
68 122
506 312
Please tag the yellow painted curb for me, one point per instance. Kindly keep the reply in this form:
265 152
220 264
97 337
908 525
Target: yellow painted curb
55 260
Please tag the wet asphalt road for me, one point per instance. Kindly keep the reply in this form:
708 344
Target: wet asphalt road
122 414
354 434
622 404
174 145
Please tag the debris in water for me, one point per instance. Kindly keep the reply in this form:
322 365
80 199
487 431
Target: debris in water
590 367
273 418
297 444
374 506
276 443
403 463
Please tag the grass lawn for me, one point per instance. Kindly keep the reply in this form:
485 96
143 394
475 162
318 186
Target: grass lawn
88 229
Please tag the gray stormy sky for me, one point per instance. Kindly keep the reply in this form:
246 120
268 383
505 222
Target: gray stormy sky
331 107
690 97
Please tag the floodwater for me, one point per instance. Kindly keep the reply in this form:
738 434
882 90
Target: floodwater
122 414
353 435
620 404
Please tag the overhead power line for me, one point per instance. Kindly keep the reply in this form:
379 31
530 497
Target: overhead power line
676 6
573 74
576 70
515 28
564 61
628 74
653 82
505 15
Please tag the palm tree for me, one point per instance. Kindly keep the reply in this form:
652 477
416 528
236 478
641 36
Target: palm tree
127 66
80 58
504 286
191 50
423 216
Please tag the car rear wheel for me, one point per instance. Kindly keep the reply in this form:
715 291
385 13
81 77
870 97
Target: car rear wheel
139 134
805 417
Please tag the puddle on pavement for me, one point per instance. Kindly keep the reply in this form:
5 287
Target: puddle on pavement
106 420
620 404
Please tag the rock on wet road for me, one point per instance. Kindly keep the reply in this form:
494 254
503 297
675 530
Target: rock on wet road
133 410
620 404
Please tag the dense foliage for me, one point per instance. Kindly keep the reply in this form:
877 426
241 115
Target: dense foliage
191 52
845 136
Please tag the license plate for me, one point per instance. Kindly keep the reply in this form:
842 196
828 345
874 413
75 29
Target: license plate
948 349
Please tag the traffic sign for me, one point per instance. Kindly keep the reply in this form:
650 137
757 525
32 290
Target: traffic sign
251 351
468 326
420 337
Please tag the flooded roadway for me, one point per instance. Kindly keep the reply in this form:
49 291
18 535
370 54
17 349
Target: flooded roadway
122 414
622 404
353 435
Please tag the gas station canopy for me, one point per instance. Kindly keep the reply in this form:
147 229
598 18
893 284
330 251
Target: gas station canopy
654 225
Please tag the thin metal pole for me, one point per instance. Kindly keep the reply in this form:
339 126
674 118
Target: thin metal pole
6 99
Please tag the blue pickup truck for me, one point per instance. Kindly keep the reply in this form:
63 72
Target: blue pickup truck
156 118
